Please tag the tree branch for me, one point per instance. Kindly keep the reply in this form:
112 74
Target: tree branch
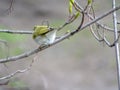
92 18
16 31
17 72
14 58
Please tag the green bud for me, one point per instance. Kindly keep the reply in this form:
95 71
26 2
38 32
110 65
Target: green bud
89 2
77 15
70 5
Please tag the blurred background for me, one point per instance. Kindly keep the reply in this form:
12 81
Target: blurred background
77 63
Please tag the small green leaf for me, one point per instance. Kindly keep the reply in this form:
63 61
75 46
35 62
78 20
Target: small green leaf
70 5
89 2
77 15
72 1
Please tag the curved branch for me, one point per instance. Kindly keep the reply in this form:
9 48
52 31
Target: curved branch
17 72
92 18
104 39
11 6
96 37
14 58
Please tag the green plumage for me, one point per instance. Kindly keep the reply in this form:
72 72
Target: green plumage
40 30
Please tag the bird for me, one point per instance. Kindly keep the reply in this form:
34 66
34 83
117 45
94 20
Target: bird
43 34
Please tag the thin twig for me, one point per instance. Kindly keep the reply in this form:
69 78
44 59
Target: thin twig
97 37
11 6
17 72
92 18
107 42
101 38
93 33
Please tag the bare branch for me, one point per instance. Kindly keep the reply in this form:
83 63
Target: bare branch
96 37
104 39
92 18
16 31
9 10
113 44
17 72
100 38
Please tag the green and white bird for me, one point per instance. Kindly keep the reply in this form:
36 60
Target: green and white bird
43 35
